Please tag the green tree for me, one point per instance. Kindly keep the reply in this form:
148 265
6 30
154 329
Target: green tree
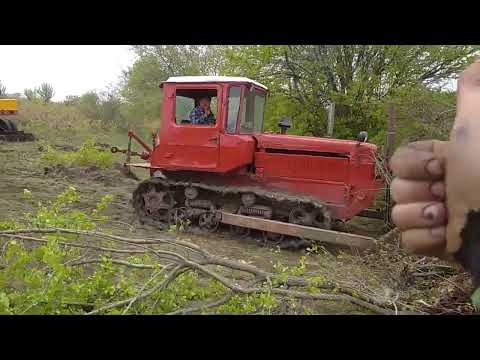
358 78
30 94
89 105
45 93
111 109
71 100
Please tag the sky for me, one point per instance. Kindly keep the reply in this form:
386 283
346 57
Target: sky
70 69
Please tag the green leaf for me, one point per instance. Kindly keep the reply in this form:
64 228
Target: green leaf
476 299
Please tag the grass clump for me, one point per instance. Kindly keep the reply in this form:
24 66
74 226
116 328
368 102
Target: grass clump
87 155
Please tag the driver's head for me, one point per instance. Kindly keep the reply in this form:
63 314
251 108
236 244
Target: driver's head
204 102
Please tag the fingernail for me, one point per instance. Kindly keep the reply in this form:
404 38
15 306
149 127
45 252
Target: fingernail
438 232
434 167
438 189
432 212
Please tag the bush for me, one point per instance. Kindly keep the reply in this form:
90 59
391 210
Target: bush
87 155
44 279
51 118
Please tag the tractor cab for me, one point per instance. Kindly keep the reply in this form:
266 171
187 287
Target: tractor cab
237 103
187 141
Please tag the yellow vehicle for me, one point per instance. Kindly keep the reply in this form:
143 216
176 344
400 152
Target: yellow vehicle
8 106
8 127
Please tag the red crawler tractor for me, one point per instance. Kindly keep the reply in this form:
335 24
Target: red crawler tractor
292 188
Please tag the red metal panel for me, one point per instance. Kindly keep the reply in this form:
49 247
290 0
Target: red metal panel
189 147
303 166
236 151
308 143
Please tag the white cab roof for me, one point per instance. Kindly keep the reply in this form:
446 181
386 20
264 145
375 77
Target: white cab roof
207 79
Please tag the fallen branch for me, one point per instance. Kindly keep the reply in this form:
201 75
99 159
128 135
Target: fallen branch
114 261
202 262
159 286
203 306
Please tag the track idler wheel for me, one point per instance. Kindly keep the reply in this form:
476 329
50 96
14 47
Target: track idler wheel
157 203
300 215
321 218
152 203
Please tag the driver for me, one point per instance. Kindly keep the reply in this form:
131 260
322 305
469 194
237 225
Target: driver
202 114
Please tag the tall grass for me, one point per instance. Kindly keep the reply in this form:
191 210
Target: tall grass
61 123
87 155
53 121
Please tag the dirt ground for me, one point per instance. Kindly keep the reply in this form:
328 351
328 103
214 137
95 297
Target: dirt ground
379 273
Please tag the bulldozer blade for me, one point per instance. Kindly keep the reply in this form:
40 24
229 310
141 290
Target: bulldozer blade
311 233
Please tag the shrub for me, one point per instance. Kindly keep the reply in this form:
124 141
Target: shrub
87 155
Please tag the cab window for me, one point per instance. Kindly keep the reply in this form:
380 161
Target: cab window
195 107
233 107
251 119
258 112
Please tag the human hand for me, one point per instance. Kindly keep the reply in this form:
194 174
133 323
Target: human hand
418 190
429 172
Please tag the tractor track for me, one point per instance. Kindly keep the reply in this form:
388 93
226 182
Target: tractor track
272 205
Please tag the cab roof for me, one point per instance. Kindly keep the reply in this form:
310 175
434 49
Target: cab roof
214 79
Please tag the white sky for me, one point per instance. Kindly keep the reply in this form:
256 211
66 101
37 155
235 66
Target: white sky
70 69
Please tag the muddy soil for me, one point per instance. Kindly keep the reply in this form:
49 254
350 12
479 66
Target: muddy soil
20 168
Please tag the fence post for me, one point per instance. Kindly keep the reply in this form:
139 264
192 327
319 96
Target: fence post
388 149
331 119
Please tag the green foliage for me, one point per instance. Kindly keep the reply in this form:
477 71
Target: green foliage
105 109
31 95
423 113
476 299
88 155
283 271
262 303
302 79
38 280
42 94
71 100
42 280
89 104
62 212
360 79
45 92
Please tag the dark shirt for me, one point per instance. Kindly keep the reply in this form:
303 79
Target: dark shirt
198 116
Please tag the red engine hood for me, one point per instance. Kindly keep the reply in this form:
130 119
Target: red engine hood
310 143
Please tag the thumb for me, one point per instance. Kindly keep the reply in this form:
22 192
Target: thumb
463 167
